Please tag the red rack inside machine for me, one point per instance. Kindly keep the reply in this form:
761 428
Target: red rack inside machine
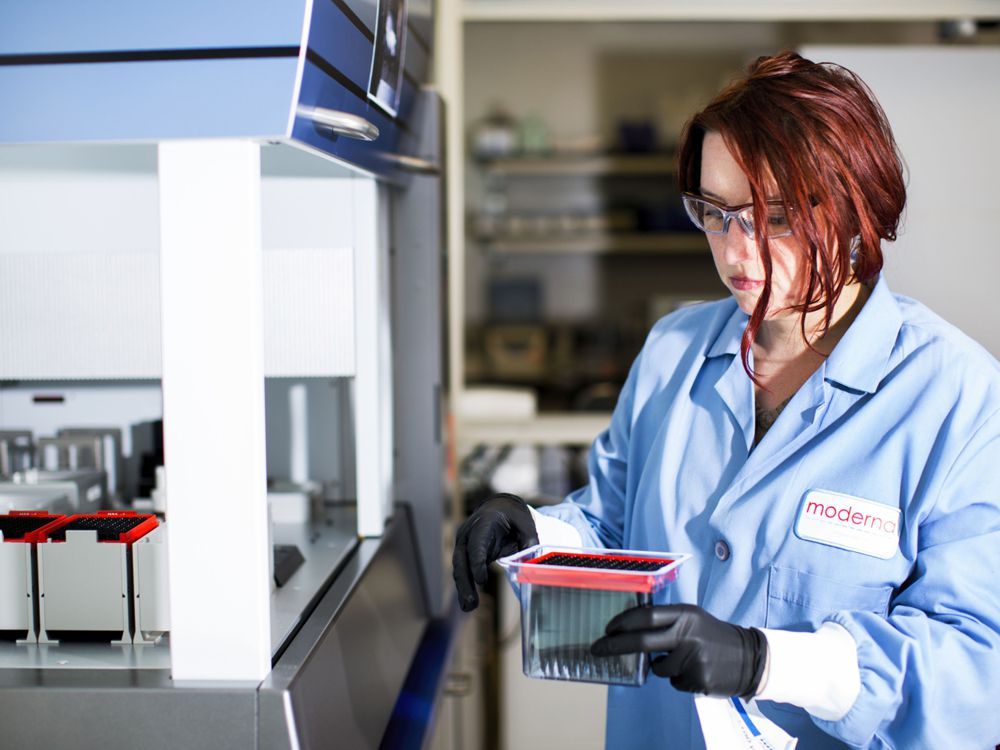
112 526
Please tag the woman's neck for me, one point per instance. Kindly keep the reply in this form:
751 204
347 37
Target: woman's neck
780 338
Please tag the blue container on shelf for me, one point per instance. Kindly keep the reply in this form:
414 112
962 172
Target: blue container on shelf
568 595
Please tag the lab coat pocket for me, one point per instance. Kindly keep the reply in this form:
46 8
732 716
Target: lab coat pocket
797 600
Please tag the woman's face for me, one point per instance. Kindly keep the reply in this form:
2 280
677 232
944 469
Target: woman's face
736 256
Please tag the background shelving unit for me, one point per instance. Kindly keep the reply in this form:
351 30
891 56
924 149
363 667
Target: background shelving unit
646 243
602 229
545 429
583 164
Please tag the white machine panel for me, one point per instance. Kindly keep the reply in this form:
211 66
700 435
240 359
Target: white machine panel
152 599
67 316
83 586
15 587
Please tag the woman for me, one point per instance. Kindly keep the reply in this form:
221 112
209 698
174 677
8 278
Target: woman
827 450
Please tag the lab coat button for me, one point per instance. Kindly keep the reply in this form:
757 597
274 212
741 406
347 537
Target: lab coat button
722 550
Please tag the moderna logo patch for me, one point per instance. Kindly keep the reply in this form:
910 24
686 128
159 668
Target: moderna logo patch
848 522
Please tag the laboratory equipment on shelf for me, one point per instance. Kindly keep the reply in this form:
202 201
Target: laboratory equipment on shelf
568 595
63 490
79 470
17 450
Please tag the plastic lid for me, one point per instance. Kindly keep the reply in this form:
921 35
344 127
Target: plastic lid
589 568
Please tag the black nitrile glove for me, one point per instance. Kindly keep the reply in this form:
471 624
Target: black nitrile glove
501 526
703 654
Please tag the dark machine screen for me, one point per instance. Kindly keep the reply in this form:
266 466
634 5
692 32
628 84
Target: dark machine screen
387 60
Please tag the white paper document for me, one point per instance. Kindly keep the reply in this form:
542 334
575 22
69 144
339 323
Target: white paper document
732 724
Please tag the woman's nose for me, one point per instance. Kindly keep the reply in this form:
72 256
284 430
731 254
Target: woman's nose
738 248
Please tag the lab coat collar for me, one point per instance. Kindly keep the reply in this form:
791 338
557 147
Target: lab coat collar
727 341
861 357
734 387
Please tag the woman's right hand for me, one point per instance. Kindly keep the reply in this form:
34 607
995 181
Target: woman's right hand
500 526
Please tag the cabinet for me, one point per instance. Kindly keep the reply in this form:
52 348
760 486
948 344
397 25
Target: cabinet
460 719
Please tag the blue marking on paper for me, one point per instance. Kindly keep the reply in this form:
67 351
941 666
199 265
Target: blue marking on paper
743 715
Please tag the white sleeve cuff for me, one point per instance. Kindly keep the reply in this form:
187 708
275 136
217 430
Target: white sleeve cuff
554 532
815 671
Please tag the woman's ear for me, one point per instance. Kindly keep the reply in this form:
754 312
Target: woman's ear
855 244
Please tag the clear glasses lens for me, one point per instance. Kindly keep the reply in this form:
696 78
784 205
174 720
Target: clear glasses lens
697 210
710 218
777 221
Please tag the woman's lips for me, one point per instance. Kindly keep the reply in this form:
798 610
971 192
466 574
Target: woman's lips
744 284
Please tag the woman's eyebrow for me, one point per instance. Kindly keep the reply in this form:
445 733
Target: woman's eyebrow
710 194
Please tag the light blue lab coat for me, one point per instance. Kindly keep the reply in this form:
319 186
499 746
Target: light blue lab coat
905 412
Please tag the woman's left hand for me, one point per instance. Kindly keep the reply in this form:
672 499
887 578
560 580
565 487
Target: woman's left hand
699 653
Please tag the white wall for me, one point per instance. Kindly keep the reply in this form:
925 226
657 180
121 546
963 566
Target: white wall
78 199
944 108
557 71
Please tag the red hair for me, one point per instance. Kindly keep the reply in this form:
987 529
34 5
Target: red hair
815 132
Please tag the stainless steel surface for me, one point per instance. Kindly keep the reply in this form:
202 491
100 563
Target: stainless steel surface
121 710
336 684
341 123
325 545
89 656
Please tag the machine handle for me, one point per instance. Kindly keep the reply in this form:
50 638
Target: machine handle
341 123
414 164
458 685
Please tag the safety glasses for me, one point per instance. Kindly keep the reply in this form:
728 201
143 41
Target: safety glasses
712 218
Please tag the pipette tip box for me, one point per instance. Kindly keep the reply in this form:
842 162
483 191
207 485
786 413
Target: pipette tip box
568 595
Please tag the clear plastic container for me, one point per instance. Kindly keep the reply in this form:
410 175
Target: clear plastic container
568 595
